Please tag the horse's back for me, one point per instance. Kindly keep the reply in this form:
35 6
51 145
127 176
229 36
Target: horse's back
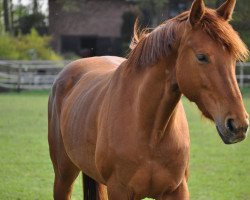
72 73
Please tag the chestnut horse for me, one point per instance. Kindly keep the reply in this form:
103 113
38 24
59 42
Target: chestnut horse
121 122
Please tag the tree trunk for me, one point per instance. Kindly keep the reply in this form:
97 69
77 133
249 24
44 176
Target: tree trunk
35 6
11 16
6 15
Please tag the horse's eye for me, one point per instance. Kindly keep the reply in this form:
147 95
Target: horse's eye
202 58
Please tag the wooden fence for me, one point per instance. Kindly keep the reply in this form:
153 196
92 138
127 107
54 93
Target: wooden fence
33 75
243 74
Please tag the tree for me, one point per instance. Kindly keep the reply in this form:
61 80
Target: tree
241 20
28 17
34 20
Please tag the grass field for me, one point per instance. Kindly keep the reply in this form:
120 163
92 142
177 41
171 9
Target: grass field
217 171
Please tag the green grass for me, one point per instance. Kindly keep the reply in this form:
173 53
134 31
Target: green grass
25 168
217 171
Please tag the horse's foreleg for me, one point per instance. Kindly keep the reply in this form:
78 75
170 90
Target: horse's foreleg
181 193
117 191
63 184
65 171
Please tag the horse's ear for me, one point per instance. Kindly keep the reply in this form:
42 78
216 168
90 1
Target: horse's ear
226 10
197 12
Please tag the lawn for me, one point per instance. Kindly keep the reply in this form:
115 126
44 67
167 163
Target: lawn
217 171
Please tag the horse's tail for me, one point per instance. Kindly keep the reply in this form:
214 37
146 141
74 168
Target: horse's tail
93 190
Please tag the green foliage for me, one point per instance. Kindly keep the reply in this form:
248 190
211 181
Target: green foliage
26 47
26 170
27 22
7 48
241 20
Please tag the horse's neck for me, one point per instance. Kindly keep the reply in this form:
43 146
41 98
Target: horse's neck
156 96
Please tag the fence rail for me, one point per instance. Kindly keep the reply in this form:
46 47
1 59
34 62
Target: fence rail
41 74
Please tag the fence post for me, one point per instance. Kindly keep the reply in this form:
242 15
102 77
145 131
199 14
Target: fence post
241 75
19 77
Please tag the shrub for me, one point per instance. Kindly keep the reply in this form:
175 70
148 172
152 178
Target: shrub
26 47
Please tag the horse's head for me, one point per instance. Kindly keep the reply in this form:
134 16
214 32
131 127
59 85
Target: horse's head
208 52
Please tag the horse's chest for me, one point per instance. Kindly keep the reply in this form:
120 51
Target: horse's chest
153 178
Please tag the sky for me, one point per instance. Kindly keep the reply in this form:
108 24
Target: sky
42 3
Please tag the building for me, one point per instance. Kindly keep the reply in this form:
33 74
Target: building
87 27
99 27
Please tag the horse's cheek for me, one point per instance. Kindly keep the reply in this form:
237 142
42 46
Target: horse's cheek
184 81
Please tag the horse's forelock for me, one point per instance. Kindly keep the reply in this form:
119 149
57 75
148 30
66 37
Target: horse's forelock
223 33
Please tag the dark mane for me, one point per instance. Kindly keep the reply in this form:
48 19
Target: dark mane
148 47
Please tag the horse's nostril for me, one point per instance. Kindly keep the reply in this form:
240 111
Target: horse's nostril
231 126
245 129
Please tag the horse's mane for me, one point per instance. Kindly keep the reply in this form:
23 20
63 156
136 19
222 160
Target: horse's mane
148 47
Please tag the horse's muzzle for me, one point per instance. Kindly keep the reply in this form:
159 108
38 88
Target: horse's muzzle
232 133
